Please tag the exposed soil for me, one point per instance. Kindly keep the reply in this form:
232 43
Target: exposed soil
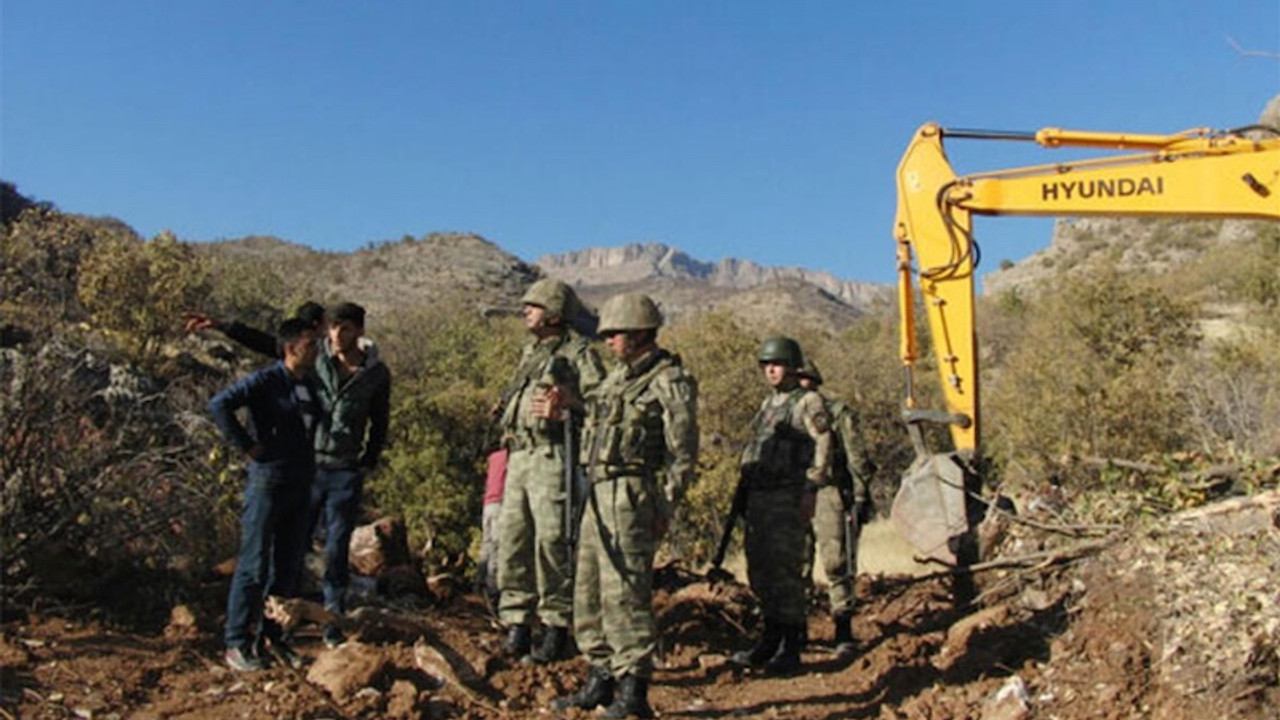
1178 623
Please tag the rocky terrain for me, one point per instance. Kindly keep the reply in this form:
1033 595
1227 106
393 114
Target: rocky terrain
1174 620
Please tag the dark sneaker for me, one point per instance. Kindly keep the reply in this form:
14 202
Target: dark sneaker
240 660
332 636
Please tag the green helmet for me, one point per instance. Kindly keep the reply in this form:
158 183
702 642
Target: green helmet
810 370
629 311
781 350
556 297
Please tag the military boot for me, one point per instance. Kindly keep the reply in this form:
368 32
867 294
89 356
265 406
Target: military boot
518 641
787 660
632 699
845 647
765 648
554 646
596 692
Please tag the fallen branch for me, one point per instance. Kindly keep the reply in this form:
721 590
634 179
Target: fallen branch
431 654
434 657
1035 561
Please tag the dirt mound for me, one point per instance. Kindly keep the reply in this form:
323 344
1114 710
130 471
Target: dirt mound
1179 622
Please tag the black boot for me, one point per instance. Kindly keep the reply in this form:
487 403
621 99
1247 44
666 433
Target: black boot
632 699
765 648
787 660
554 646
597 692
845 647
518 641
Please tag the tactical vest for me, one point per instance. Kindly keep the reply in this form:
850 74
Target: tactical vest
543 365
779 453
623 434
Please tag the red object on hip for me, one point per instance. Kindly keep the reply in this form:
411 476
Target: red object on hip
495 480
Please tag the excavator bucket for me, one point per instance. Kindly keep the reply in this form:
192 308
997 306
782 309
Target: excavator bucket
929 509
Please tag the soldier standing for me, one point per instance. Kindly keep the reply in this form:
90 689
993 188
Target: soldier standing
639 448
840 509
534 571
787 458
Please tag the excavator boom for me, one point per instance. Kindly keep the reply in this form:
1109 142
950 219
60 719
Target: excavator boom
1197 173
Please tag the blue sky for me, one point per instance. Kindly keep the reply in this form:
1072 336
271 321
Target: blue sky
768 131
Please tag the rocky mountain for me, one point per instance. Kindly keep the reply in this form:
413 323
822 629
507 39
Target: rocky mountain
772 297
644 262
467 268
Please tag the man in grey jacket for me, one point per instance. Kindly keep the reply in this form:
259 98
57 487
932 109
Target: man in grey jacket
355 387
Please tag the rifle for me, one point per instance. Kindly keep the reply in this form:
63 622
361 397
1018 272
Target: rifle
852 531
575 492
737 509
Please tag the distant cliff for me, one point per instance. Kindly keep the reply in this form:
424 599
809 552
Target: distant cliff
641 262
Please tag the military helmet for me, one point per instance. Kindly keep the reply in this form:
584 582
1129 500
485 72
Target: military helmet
810 370
781 350
629 311
553 295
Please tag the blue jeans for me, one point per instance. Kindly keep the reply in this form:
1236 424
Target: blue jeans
335 502
273 528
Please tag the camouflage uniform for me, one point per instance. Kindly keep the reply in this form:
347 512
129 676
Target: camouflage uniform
839 511
789 453
639 447
534 571
851 470
790 450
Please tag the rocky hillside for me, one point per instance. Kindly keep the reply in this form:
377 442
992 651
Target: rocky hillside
448 267
1082 245
439 267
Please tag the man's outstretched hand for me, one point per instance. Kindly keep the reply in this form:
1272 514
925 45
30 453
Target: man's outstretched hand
197 321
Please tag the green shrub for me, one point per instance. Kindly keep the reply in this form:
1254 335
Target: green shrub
1091 375
448 366
139 290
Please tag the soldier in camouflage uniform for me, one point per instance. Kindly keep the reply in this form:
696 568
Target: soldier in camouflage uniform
639 447
534 570
844 499
788 456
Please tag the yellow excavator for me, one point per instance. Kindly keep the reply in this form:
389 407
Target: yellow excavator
1197 173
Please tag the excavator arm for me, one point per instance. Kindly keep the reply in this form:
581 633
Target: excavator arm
1197 173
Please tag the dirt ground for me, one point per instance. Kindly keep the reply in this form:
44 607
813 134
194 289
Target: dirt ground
1176 622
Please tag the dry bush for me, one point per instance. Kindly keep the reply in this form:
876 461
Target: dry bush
1233 395
258 294
107 495
1091 374
40 258
138 290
